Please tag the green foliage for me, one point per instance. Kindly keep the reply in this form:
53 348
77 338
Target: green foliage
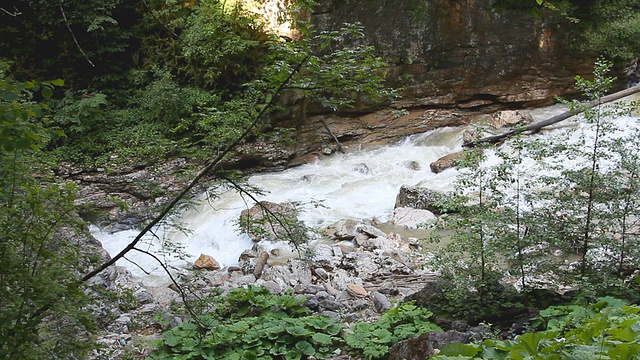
373 340
525 204
43 311
253 323
608 329
609 27
613 28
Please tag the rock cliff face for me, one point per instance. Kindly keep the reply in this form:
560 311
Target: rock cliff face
454 59
465 53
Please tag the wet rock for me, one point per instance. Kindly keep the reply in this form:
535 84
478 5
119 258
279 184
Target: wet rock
248 254
446 162
412 218
263 220
421 198
412 165
206 262
361 168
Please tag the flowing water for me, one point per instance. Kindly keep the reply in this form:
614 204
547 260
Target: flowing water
358 185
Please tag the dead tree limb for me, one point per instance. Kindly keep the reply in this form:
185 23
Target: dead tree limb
332 135
556 119
73 35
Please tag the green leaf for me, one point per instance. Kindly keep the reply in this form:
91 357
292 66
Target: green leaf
10 96
460 349
322 339
298 331
306 348
47 92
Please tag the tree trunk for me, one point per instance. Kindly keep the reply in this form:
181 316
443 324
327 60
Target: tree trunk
565 115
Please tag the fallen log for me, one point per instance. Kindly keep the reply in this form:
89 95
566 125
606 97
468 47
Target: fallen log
556 119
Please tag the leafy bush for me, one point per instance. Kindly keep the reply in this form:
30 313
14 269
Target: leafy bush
608 329
43 310
253 323
373 340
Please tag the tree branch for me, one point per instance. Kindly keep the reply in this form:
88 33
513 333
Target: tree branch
15 12
213 165
66 22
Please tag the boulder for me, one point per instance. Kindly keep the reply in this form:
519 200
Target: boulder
446 162
370 231
510 118
411 218
342 230
264 221
421 198
426 345
206 262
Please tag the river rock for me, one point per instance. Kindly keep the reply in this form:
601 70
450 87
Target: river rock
446 162
370 231
421 198
342 230
324 255
426 345
510 118
341 278
357 291
380 302
206 262
412 165
361 168
264 220
411 218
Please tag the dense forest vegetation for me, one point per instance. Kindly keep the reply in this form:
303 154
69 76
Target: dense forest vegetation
120 84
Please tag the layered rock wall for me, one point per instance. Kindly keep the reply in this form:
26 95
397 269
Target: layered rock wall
465 53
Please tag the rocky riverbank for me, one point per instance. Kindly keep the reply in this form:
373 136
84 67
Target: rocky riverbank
354 272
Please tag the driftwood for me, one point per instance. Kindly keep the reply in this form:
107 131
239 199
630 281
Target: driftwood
565 115
260 264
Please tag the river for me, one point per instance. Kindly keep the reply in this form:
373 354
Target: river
361 184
